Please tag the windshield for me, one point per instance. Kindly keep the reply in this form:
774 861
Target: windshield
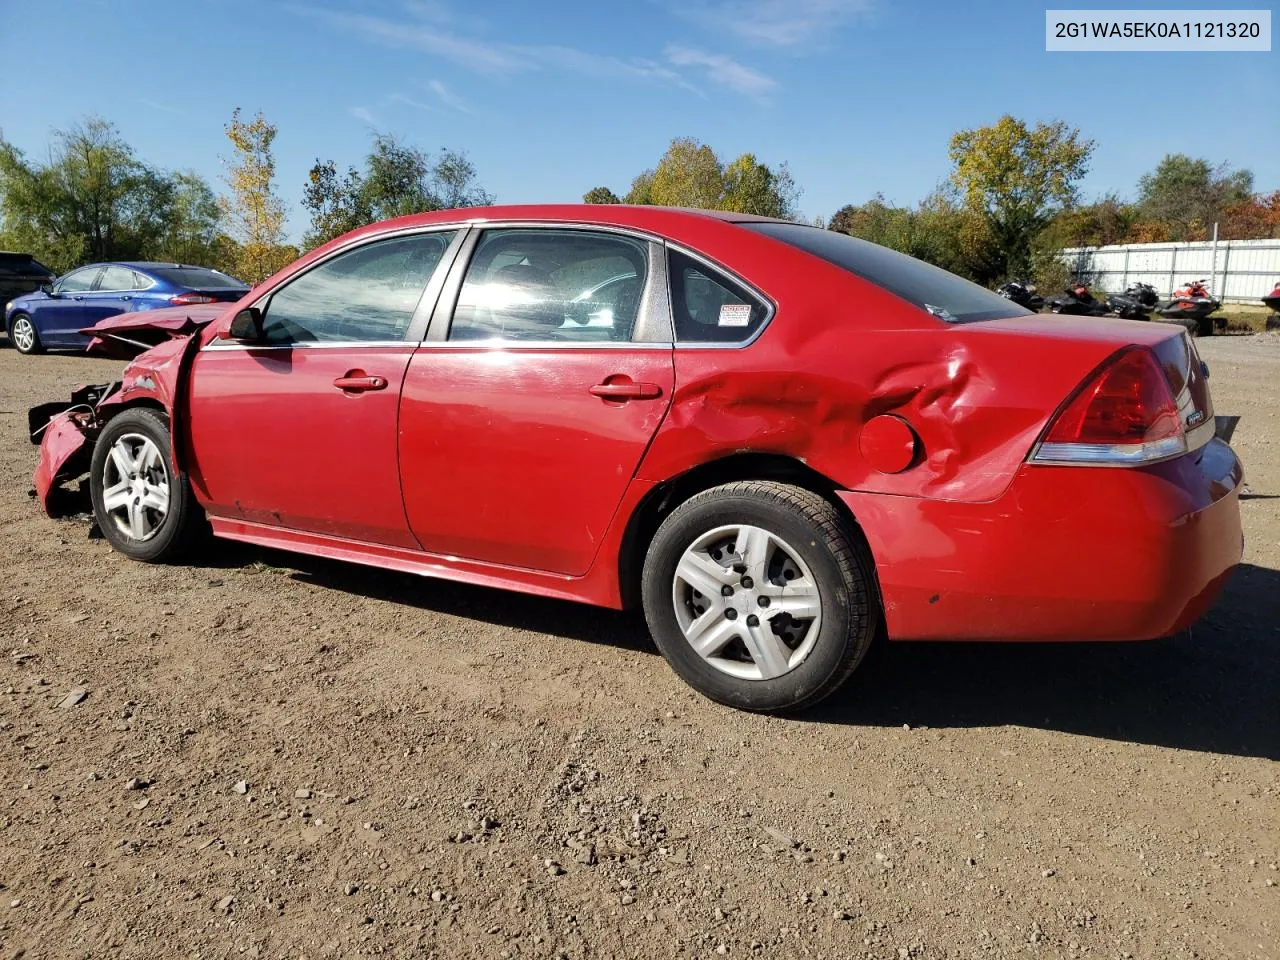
198 278
931 288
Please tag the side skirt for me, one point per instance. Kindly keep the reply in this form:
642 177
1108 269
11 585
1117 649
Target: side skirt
585 589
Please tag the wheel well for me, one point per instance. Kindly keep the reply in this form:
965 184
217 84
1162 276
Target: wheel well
665 497
112 410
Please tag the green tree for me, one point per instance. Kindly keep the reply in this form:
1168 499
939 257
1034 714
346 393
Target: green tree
600 195
1105 221
752 187
191 231
690 174
253 208
1188 196
397 180
641 191
940 231
1017 177
93 199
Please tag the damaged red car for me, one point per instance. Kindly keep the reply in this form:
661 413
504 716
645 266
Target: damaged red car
779 441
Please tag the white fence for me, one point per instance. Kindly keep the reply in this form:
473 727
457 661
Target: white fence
1238 270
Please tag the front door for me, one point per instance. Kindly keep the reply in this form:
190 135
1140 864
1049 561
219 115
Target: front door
59 318
299 430
521 428
112 294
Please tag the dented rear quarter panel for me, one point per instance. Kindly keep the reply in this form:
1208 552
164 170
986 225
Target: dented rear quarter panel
840 351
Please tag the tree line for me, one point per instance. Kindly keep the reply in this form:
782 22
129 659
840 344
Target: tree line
94 199
1007 207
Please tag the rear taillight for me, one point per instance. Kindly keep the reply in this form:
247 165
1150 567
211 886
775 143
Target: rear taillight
1124 414
186 299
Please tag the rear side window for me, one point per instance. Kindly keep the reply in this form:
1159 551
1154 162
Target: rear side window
709 307
117 278
931 288
198 278
551 285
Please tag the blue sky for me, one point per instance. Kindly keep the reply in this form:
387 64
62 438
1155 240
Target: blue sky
552 98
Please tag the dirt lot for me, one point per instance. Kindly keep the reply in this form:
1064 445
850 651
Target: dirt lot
285 757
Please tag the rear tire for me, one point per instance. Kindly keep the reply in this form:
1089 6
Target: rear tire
144 508
1204 327
787 608
23 335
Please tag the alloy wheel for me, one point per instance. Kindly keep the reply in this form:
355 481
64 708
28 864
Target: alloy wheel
23 334
135 487
746 602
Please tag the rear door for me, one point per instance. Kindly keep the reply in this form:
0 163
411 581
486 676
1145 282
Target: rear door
546 373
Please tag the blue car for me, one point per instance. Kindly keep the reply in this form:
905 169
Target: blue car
52 317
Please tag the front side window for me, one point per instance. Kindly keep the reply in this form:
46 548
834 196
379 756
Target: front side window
366 294
533 284
708 307
116 279
79 281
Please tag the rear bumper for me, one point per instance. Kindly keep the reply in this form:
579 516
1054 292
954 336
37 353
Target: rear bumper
1068 553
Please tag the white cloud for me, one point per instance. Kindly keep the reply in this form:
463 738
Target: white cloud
724 71
409 101
783 23
477 55
157 105
364 115
448 97
423 33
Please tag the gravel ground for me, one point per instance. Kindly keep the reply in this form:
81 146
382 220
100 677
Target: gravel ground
273 756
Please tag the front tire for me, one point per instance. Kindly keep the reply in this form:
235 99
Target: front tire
144 508
23 335
759 596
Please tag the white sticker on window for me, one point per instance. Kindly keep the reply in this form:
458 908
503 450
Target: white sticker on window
735 315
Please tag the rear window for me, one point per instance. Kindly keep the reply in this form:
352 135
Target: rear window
931 288
198 278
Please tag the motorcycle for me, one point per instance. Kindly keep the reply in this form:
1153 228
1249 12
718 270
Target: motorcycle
1144 293
1128 305
1077 300
1022 293
1191 306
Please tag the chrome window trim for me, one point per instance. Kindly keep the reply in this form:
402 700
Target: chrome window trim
57 287
771 308
308 345
421 313
495 345
653 325
116 266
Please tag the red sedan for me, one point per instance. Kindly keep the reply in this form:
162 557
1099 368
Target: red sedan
778 440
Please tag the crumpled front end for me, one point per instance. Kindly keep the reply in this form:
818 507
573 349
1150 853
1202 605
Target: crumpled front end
126 335
65 432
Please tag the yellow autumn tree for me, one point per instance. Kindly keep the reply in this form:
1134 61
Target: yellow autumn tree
254 211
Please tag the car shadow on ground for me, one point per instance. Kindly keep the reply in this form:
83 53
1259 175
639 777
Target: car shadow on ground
1215 688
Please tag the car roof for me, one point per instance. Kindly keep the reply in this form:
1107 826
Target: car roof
636 215
144 265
